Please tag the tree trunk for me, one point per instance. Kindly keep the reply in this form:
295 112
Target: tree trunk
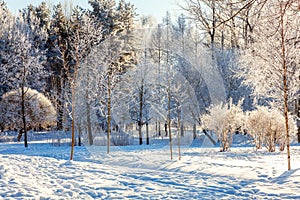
182 130
88 114
73 122
89 124
140 122
194 131
73 90
60 110
285 86
24 116
159 131
179 133
108 113
156 129
169 122
147 133
212 32
79 134
298 132
298 120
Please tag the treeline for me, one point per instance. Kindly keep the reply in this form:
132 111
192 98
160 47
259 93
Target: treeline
104 66
42 48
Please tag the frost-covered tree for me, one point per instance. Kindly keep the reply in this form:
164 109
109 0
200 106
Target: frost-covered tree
58 61
22 65
107 58
83 34
168 75
267 127
39 111
226 23
6 20
139 106
271 64
113 17
224 120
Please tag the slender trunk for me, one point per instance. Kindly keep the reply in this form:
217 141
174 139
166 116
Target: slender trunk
88 112
60 111
159 131
179 133
298 121
285 89
156 129
61 85
194 131
181 130
286 117
298 133
73 89
213 30
73 122
169 121
108 113
23 116
79 134
89 124
147 133
140 122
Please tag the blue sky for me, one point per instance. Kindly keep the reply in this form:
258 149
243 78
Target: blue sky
156 8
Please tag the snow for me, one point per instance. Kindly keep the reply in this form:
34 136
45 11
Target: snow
43 171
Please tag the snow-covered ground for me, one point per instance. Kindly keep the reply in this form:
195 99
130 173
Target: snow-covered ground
42 171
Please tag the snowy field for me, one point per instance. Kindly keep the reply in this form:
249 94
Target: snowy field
43 172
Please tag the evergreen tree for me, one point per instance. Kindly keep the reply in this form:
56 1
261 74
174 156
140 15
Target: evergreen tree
6 20
59 60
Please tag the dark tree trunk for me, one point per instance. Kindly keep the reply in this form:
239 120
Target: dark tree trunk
159 131
140 122
298 120
147 133
194 131
60 108
181 130
79 135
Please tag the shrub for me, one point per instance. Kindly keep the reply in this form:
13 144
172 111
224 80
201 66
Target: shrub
267 127
224 120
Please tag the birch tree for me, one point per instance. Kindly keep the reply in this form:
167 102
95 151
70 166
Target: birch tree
271 64
83 36
105 59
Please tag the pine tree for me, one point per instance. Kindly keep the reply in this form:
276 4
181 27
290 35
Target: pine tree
59 60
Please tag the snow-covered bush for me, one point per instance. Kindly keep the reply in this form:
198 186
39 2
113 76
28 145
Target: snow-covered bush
225 120
267 127
39 111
